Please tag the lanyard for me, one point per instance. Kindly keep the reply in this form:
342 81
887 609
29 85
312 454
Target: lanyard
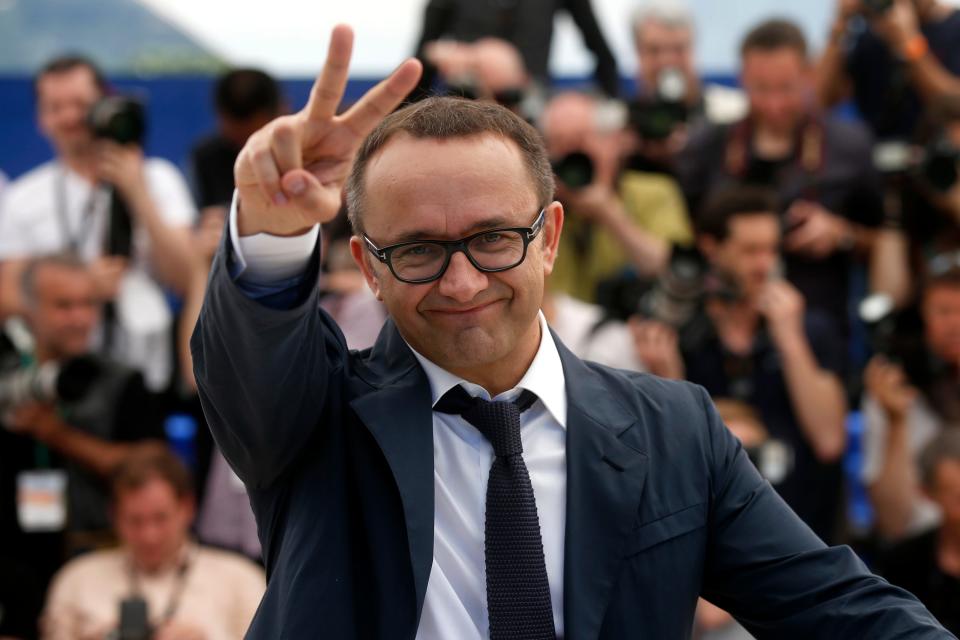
176 594
73 240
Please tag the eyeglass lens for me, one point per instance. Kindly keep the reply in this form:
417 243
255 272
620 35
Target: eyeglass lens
495 250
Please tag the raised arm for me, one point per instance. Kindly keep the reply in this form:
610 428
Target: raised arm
264 356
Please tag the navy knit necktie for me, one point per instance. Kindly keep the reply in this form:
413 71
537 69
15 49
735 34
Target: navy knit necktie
518 594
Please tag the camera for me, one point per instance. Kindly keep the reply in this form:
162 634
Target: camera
676 294
134 621
49 382
657 117
933 165
118 118
575 170
897 335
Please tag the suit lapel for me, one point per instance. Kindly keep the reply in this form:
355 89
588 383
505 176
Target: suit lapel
399 416
605 479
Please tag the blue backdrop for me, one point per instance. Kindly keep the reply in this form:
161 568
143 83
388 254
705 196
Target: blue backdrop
179 110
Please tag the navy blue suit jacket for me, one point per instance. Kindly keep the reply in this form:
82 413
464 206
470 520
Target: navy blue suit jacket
336 450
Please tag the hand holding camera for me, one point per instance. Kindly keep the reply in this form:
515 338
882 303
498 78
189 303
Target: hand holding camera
656 345
121 165
36 420
814 231
888 384
782 305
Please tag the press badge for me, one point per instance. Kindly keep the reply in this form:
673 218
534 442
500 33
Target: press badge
42 500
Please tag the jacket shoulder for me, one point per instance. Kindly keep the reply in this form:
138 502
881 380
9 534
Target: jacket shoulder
670 413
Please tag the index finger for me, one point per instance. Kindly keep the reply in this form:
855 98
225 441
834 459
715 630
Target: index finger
377 103
327 91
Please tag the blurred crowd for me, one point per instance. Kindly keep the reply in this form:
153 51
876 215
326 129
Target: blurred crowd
791 243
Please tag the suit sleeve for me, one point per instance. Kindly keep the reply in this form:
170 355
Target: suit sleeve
769 570
263 370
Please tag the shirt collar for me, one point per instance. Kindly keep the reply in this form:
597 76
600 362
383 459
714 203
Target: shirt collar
544 377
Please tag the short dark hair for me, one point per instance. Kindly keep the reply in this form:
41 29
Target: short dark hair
443 118
943 270
28 278
770 35
151 461
727 202
243 93
67 63
945 447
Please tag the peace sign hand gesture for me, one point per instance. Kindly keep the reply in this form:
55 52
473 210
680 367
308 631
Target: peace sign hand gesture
290 174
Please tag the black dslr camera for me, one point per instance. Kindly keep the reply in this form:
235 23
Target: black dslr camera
933 165
118 118
657 116
51 382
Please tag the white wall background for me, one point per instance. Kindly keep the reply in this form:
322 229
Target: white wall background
289 37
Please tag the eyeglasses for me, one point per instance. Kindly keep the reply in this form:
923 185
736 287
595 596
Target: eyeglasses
420 261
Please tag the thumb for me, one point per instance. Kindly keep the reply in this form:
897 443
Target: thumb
306 192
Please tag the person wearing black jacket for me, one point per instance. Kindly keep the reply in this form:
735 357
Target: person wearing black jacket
528 25
54 456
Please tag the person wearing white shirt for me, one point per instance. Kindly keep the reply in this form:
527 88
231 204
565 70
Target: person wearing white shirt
468 476
64 206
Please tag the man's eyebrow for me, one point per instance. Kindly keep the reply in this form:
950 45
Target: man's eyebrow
480 225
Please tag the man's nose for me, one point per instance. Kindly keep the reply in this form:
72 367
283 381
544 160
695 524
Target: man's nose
462 281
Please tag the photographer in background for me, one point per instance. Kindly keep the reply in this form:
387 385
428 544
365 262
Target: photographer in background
128 216
763 347
55 454
617 222
527 25
159 585
928 565
921 202
821 168
489 69
668 85
912 393
244 101
892 57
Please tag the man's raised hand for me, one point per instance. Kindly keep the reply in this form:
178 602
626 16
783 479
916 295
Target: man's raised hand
290 174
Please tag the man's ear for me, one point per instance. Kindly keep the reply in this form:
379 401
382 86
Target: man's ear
363 259
550 235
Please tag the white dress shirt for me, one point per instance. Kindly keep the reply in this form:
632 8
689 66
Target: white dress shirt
456 599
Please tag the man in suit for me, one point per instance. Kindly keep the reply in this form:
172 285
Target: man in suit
392 496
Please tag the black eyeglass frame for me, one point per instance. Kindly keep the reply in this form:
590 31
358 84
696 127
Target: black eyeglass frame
527 234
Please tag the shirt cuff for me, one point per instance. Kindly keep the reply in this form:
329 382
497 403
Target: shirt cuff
265 259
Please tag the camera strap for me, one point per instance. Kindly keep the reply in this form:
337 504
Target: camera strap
73 239
176 594
809 153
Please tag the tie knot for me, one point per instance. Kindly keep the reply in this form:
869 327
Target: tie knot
497 420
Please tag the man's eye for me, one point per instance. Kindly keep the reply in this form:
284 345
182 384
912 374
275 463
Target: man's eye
492 238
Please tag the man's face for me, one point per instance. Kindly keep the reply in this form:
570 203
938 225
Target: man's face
946 493
445 190
64 311
661 46
777 87
750 253
152 523
63 101
941 316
